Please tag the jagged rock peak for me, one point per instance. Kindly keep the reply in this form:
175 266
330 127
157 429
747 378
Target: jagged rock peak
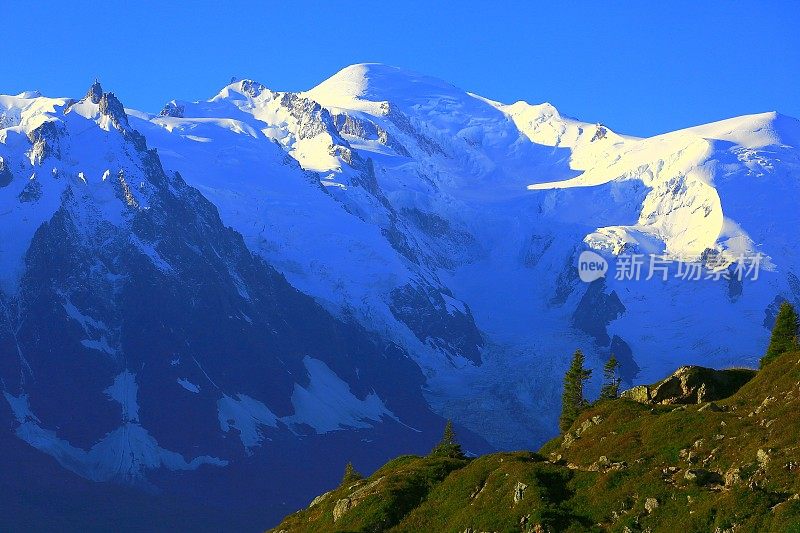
252 87
112 108
172 109
95 92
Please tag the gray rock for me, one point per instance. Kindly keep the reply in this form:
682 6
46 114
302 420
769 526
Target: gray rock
319 499
692 385
762 456
341 507
639 393
519 491
732 476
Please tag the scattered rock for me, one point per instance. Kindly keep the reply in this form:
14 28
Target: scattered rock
319 499
762 456
669 471
650 505
732 476
519 491
341 507
639 393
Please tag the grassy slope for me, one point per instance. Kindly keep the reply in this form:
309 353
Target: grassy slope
649 451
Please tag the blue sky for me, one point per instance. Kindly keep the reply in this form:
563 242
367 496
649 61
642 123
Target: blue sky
640 67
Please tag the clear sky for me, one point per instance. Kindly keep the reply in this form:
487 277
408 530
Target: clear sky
639 67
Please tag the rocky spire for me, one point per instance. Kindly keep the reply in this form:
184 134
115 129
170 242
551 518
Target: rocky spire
172 109
95 92
112 107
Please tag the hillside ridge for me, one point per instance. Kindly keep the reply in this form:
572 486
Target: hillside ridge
727 465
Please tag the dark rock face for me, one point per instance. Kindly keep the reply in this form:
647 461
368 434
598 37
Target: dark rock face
348 125
168 295
691 385
628 369
404 124
94 93
5 173
172 109
596 310
534 248
46 141
32 192
450 246
600 133
566 282
252 88
311 117
432 319
112 107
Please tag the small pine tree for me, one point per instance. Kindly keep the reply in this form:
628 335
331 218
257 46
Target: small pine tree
611 381
448 447
350 474
784 334
572 400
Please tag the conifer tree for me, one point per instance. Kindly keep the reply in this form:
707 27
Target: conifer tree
611 380
350 474
448 446
784 334
572 400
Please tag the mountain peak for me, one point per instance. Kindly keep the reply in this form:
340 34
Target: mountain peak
95 92
752 131
375 82
244 88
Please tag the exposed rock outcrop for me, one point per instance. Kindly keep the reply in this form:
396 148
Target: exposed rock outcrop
691 385
5 173
172 109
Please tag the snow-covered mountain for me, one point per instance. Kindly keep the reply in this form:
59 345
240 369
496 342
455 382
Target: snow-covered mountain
264 285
